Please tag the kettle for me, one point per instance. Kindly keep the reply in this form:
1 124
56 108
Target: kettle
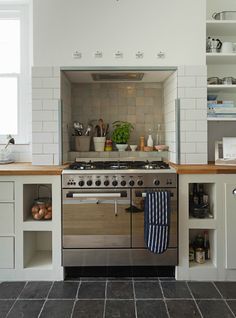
213 45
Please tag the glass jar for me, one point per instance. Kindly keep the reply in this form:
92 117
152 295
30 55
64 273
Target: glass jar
42 209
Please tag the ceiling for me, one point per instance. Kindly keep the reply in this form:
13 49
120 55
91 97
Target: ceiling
80 76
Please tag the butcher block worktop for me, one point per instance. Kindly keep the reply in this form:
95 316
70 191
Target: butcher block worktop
26 168
210 168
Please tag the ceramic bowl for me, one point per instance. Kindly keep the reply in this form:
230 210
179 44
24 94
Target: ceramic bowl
133 147
162 147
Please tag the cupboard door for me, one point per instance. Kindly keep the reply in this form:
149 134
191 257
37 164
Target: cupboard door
230 221
6 191
7 252
7 219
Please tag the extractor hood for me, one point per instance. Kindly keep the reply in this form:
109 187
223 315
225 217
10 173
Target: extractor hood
117 76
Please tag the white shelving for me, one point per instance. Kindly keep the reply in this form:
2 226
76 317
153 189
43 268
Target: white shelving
221 27
221 58
221 119
221 88
195 223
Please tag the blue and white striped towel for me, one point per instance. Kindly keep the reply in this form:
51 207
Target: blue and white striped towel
157 221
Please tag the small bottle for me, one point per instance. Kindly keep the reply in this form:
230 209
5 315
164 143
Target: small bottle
150 140
142 144
206 246
195 195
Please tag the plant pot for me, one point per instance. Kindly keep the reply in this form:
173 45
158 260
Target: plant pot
82 143
99 143
121 147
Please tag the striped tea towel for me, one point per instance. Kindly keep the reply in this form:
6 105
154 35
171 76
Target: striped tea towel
157 221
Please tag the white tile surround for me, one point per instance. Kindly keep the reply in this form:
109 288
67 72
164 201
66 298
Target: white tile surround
189 84
45 115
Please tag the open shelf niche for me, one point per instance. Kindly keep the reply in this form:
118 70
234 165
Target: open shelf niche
38 249
212 239
32 192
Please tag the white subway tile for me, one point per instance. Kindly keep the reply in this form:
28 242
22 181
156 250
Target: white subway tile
42 137
55 137
201 125
51 82
37 148
196 114
188 125
56 93
181 70
183 136
201 81
201 147
25 157
36 104
50 148
42 71
50 104
42 93
186 81
39 159
55 115
195 92
37 126
50 126
181 92
187 103
43 115
56 159
195 70
56 71
201 103
182 158
187 147
36 82
196 158
196 136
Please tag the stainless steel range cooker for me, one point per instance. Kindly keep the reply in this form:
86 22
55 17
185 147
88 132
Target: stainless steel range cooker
103 213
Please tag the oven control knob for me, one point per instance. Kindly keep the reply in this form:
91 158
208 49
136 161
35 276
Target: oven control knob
123 183
81 183
98 183
140 183
131 183
89 183
106 183
68 183
156 182
114 183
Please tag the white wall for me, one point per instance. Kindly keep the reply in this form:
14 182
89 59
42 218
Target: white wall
176 27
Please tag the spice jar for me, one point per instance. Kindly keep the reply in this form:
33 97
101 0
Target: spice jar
200 255
108 145
142 144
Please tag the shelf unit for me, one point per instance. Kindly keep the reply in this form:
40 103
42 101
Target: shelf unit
221 88
221 27
221 58
221 119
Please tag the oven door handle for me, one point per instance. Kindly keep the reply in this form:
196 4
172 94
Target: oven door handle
94 195
144 194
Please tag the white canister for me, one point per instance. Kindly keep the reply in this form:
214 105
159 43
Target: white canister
228 47
99 143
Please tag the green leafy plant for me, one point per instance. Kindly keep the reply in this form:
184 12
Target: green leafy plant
122 131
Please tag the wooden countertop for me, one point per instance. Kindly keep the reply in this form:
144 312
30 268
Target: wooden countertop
26 168
210 168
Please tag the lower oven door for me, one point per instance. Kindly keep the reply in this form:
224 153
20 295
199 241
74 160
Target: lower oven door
138 200
96 219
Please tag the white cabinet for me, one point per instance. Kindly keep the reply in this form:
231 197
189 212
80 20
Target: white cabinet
6 191
230 222
6 252
7 219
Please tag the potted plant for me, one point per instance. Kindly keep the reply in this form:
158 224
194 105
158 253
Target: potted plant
121 134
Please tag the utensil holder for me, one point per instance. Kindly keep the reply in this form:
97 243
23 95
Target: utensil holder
82 143
99 143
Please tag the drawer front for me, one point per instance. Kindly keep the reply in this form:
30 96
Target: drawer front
7 216
7 252
6 191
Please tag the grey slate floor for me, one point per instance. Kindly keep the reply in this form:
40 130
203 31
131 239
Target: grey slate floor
118 298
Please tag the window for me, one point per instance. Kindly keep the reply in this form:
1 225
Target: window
14 73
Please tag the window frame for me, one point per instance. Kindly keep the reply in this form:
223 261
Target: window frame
21 12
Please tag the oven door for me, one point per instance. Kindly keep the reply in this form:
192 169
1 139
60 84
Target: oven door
138 200
96 218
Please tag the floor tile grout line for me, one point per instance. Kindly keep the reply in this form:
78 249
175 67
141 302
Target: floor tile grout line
164 299
76 298
105 300
194 300
46 299
135 305
224 299
16 300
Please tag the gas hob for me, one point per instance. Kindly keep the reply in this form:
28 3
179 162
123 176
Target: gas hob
119 174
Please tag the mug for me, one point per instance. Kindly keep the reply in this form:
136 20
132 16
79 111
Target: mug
228 47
